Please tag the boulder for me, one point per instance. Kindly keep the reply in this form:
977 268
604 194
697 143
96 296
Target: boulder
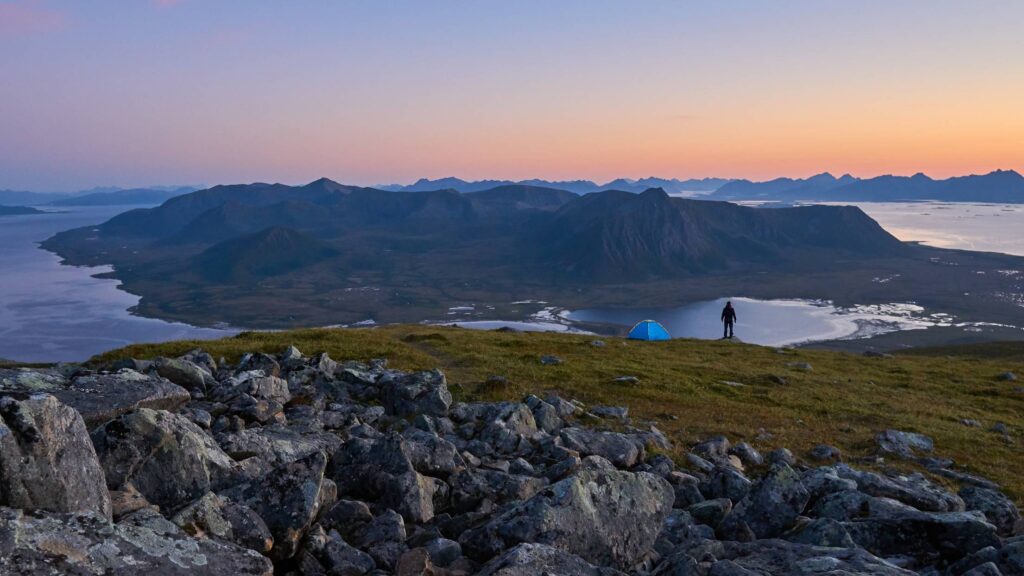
166 457
98 397
46 459
416 393
288 499
903 444
216 517
769 508
926 536
912 489
997 508
533 559
184 373
277 444
605 517
773 556
381 470
619 449
143 544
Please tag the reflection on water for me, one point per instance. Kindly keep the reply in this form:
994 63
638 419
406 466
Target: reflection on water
50 312
774 322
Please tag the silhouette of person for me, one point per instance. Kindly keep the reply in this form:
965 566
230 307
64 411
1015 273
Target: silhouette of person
728 318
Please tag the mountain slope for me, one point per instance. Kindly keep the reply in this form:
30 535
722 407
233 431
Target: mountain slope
270 252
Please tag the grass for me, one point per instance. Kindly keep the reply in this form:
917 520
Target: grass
844 400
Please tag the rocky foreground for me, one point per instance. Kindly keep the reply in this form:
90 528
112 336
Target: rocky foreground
302 465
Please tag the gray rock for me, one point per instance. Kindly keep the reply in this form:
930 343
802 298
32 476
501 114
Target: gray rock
821 532
851 504
167 458
825 453
1007 377
216 517
912 489
563 407
259 361
417 393
726 482
184 373
619 449
546 417
386 527
782 557
903 444
340 558
277 444
781 456
986 569
52 544
288 499
615 412
550 360
710 512
46 459
534 559
443 551
98 397
605 517
802 366
471 488
770 507
381 470
997 508
747 454
924 535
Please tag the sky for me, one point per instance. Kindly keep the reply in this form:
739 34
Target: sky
140 92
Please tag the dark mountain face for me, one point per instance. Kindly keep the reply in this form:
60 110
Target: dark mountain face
614 235
270 252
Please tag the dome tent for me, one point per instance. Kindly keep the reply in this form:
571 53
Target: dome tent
648 330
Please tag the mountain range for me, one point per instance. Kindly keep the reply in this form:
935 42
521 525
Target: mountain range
1004 186
541 231
671 186
99 196
272 255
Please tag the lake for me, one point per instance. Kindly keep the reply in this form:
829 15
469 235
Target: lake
50 312
984 227
772 322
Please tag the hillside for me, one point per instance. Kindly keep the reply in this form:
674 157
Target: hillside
697 389
269 252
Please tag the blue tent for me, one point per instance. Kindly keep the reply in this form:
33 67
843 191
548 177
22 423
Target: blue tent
648 330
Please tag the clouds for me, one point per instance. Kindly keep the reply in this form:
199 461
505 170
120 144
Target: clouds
28 17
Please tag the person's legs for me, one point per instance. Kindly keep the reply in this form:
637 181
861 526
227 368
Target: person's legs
728 328
725 333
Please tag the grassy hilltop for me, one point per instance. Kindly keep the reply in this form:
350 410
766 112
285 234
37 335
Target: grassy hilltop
843 399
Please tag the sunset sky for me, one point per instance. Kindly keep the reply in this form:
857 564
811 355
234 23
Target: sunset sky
137 92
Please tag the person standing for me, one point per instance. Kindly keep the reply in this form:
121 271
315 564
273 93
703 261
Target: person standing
728 318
